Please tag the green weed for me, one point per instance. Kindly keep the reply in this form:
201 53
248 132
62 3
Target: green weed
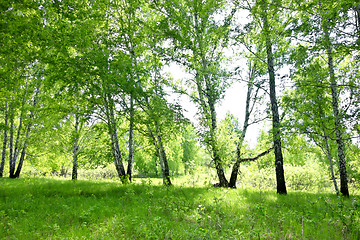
61 209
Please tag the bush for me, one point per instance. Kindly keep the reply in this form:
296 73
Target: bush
108 172
313 176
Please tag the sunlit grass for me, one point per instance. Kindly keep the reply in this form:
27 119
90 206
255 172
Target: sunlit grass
63 209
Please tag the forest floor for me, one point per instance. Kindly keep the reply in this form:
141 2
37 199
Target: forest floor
42 208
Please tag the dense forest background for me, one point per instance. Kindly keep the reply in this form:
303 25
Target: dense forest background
88 90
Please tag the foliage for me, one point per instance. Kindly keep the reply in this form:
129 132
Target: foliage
113 80
228 136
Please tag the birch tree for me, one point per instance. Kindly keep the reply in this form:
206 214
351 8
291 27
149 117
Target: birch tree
309 107
267 31
331 35
197 43
253 98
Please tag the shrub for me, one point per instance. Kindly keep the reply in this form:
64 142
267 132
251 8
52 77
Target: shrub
313 176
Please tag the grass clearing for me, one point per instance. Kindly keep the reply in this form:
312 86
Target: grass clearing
41 208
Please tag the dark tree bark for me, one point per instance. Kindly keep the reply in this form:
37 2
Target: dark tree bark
163 160
3 155
131 140
157 140
250 159
11 140
15 154
117 152
207 103
209 113
280 177
16 150
74 173
23 152
28 129
21 162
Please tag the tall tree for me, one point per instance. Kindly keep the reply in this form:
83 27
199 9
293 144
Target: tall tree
197 43
24 117
331 35
253 97
309 106
88 62
127 18
267 27
280 178
21 38
35 102
338 128
162 117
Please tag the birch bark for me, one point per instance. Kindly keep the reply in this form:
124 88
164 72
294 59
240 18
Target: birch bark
28 129
335 106
236 166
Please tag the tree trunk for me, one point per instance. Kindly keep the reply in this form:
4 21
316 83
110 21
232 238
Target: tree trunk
75 149
131 140
156 162
164 165
357 18
3 155
11 141
280 177
109 105
207 100
17 141
223 182
235 169
161 154
74 173
23 152
328 154
28 129
21 162
335 105
116 151
16 149
216 157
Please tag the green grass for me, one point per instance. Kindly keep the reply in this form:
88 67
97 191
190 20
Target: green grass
62 209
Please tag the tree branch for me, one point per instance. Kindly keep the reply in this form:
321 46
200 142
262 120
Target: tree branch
256 157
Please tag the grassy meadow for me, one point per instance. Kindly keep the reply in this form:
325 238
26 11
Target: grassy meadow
45 208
